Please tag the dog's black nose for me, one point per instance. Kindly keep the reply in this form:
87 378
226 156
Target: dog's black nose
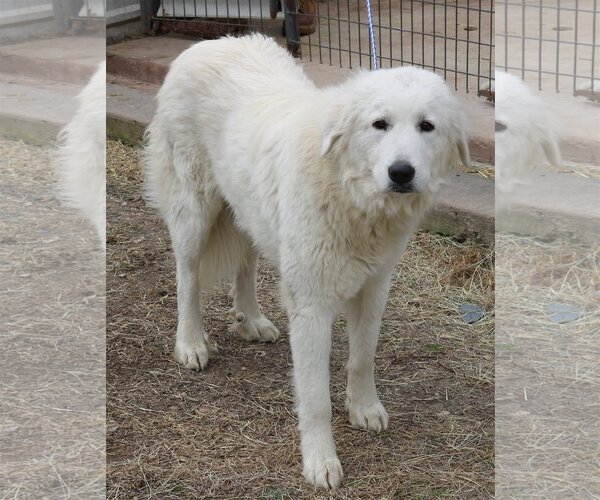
401 172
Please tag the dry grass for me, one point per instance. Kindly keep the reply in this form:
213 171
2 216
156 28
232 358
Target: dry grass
587 171
584 170
230 432
480 169
547 374
52 322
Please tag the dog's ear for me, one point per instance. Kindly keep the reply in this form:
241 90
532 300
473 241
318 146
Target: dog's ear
547 129
463 150
552 151
332 129
460 132
331 135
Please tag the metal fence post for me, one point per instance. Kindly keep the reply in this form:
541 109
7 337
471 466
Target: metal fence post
292 32
148 9
63 10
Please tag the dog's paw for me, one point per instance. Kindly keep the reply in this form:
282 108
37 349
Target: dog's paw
257 330
372 417
323 472
193 356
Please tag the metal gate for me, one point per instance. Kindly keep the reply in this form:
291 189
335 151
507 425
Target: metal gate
12 13
121 11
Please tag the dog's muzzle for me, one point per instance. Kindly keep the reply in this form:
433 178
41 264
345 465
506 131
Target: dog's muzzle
401 175
402 188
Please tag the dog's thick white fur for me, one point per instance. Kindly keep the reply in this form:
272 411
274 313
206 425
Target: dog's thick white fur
246 155
526 132
81 158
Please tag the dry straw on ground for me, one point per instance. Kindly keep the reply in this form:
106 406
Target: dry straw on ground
230 432
52 321
547 374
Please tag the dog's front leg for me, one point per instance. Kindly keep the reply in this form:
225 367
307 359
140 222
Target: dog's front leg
364 314
310 338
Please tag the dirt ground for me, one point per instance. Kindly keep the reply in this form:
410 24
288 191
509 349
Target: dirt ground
230 431
547 376
52 319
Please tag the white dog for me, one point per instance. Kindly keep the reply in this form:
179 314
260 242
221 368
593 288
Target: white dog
526 132
245 154
82 152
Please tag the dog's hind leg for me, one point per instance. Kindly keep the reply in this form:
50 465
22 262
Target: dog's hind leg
190 226
249 322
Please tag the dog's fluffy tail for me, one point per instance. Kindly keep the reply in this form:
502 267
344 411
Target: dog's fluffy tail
80 157
226 253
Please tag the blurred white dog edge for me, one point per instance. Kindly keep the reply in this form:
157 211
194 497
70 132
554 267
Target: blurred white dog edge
246 155
81 166
526 131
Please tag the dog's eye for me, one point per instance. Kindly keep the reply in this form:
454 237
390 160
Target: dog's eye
500 127
381 125
426 126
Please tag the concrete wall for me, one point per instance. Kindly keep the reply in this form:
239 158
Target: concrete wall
13 12
22 19
120 11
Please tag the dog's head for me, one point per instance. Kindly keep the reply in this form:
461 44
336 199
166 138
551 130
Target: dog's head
394 131
526 133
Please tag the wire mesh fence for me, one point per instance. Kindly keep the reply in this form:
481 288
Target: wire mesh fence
551 43
452 37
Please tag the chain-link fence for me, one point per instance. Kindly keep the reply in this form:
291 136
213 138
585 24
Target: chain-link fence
551 43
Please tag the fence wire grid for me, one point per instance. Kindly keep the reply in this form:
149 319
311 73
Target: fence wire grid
551 43
452 37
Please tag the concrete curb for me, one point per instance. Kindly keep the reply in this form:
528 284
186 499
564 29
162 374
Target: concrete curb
39 81
465 209
578 151
61 71
136 69
32 131
124 129
550 206
60 59
35 110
